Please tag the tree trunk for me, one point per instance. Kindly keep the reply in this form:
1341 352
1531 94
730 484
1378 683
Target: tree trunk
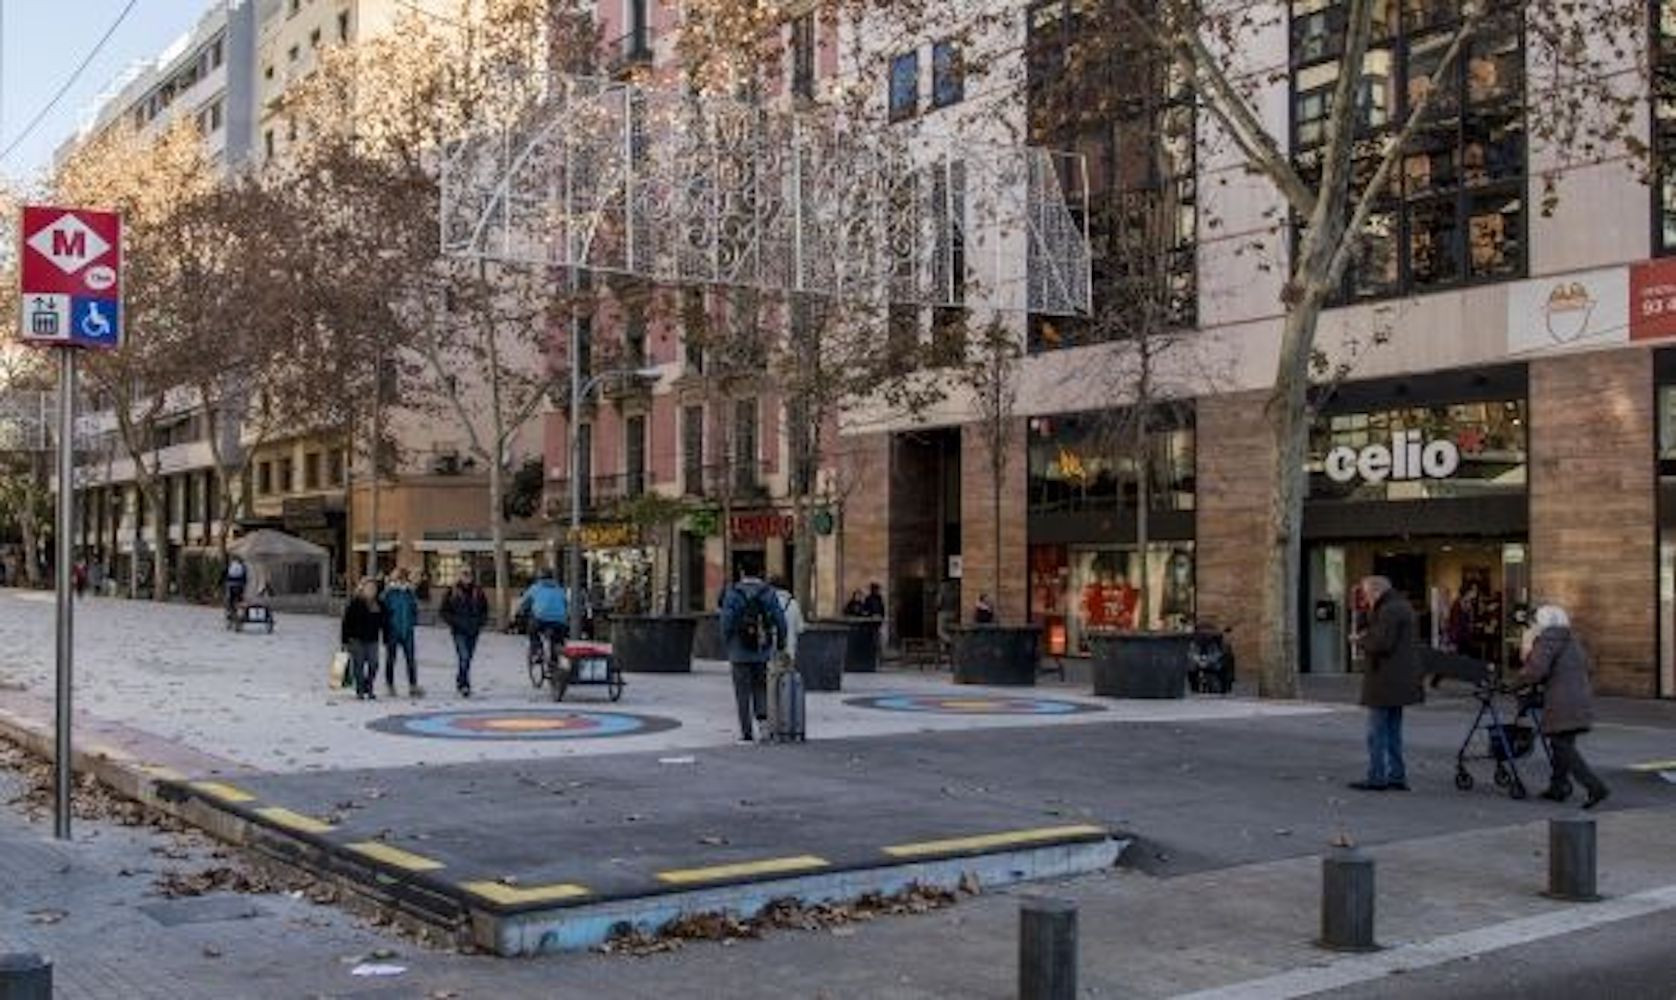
1143 531
497 533
31 549
1288 416
803 563
997 470
159 541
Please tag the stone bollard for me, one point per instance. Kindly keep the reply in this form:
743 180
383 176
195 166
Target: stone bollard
1571 860
25 976
1347 897
1047 949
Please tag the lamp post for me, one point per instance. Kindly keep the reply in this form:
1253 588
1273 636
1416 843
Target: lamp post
580 390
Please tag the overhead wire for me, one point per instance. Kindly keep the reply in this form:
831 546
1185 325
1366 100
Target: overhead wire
75 75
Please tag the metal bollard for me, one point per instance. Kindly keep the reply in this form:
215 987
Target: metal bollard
25 976
1571 860
1347 896
1047 949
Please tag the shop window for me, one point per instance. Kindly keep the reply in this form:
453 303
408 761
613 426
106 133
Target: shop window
948 74
1457 450
1077 591
1085 463
1455 211
904 86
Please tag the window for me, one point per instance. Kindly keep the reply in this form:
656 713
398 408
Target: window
282 473
1095 84
948 74
803 56
692 450
334 468
217 53
902 331
314 39
904 86
264 478
585 464
311 471
1455 211
1488 437
268 142
694 320
268 73
745 445
634 455
296 5
585 347
634 334
343 26
294 54
1664 126
1080 463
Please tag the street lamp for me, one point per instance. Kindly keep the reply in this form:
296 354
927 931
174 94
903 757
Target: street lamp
580 390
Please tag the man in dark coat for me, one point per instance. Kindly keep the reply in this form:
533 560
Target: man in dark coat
1392 681
465 610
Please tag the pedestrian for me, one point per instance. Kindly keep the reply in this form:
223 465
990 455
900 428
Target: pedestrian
234 579
874 606
948 611
78 577
363 626
401 608
857 605
465 610
984 613
754 627
1391 682
1558 660
793 612
546 611
423 591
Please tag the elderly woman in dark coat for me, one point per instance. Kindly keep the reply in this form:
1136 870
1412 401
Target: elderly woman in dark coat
1558 660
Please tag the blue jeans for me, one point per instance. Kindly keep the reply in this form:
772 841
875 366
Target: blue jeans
399 644
363 664
1385 764
465 647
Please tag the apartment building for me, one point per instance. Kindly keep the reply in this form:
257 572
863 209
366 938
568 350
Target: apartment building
1503 433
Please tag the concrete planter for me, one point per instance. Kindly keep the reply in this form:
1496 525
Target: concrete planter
1140 664
660 644
707 637
1000 655
821 650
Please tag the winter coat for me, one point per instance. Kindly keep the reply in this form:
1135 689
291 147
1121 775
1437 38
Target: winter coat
794 620
362 623
401 607
466 609
546 604
874 606
733 609
1393 676
1559 660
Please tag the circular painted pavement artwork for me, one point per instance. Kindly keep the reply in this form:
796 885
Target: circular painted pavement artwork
974 704
522 724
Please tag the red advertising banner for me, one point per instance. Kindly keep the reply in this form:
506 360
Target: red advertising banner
1652 300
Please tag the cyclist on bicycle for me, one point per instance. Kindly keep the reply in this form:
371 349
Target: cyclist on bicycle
548 611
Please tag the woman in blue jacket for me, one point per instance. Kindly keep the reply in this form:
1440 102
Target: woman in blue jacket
401 609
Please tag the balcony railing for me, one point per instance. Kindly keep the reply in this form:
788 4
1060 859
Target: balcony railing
598 492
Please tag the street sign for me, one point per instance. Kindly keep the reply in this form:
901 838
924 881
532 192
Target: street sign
70 277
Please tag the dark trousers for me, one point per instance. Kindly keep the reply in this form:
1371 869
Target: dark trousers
465 647
750 693
1569 764
400 644
1385 763
363 664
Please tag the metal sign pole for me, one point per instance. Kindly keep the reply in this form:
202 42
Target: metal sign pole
64 533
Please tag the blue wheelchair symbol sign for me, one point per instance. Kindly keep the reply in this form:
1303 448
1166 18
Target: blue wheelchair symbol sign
95 322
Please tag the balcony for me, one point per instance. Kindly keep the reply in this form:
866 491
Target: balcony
598 493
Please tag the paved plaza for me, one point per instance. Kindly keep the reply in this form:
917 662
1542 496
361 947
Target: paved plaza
1222 806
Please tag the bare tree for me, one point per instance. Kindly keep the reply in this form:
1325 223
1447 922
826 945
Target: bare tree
991 376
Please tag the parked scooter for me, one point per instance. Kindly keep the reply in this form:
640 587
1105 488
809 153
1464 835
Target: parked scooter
1210 660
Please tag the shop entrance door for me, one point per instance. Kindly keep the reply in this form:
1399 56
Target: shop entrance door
1328 611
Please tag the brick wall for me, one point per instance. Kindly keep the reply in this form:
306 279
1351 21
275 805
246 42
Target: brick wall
1235 463
1592 507
864 476
977 526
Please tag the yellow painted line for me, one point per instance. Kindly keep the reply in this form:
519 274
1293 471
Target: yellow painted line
294 820
162 773
1648 767
500 892
717 873
223 791
396 856
989 841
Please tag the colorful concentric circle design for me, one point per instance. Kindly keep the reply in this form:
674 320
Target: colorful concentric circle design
973 704
522 724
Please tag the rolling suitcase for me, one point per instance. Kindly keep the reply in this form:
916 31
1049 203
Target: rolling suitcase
785 705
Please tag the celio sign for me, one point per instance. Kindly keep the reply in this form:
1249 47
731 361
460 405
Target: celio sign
1407 457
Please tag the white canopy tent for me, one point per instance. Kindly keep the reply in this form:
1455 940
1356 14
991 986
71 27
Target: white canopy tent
283 565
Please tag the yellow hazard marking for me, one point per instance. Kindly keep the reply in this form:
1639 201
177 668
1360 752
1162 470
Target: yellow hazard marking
294 820
162 773
500 892
988 841
1648 767
223 791
396 856
716 873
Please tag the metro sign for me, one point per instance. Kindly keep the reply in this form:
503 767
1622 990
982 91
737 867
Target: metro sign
70 277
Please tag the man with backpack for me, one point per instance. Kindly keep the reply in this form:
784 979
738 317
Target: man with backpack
754 628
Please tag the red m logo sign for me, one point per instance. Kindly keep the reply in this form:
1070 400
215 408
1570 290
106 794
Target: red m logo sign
69 244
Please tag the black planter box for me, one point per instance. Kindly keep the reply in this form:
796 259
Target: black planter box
707 637
861 652
660 644
821 649
1140 664
1000 655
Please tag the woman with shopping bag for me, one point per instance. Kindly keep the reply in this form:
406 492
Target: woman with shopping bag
362 632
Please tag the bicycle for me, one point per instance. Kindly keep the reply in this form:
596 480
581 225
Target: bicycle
545 656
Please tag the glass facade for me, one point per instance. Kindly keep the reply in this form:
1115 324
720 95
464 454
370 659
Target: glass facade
1078 590
1083 463
1488 439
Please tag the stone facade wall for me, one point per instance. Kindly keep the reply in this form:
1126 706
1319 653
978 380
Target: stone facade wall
1235 462
977 526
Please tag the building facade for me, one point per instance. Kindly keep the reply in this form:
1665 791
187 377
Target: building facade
1500 433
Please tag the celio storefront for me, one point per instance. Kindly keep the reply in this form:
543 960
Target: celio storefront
1422 480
